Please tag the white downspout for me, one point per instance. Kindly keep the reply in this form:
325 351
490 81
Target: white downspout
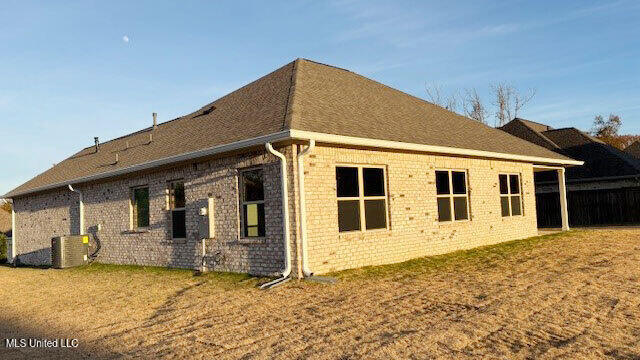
81 209
303 209
14 251
285 218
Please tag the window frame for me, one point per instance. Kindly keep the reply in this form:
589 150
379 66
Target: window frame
133 220
172 209
361 198
451 196
241 218
510 194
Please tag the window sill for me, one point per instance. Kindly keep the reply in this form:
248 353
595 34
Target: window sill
252 241
179 241
452 223
364 233
136 231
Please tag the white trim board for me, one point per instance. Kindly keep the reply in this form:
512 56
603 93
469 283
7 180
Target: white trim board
301 135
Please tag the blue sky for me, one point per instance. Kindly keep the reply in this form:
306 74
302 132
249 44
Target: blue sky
73 70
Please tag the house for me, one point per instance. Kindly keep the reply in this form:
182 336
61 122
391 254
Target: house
633 149
309 169
604 191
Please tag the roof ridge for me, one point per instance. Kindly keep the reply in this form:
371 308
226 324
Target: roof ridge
289 107
539 133
531 121
190 114
419 99
625 156
581 133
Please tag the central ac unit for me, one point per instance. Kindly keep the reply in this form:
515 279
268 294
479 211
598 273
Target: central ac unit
68 251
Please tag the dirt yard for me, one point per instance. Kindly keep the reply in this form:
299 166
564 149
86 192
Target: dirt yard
568 296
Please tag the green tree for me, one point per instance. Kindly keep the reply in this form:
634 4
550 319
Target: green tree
607 130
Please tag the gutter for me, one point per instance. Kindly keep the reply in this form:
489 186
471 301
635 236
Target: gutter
386 144
261 140
304 136
285 219
303 209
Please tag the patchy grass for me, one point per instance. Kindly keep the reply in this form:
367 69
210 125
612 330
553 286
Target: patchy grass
485 255
574 295
226 280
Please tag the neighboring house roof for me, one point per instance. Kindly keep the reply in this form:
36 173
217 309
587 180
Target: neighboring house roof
633 149
601 160
530 131
5 221
302 97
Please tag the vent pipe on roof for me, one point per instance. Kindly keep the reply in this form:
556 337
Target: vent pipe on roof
155 121
97 142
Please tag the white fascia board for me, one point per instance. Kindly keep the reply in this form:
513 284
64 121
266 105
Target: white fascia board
386 144
301 135
258 141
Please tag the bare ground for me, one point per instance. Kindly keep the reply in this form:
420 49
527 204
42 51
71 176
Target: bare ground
567 296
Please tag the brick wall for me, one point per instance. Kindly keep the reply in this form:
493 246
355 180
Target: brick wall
43 216
39 218
414 228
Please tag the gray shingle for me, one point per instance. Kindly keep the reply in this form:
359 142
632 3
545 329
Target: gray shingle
302 95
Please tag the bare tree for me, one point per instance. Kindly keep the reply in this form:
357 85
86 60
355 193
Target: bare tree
473 106
508 102
436 95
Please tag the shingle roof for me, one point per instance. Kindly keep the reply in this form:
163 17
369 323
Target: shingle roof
633 149
601 160
530 131
302 95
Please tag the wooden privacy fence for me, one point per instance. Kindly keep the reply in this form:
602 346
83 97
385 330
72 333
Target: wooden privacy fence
591 208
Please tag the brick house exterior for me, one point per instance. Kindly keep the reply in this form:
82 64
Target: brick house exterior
408 209
414 230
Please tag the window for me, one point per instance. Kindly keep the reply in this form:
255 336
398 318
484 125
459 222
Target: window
252 199
177 207
452 195
510 195
140 207
362 198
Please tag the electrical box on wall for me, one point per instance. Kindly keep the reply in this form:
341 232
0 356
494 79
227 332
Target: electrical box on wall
206 222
